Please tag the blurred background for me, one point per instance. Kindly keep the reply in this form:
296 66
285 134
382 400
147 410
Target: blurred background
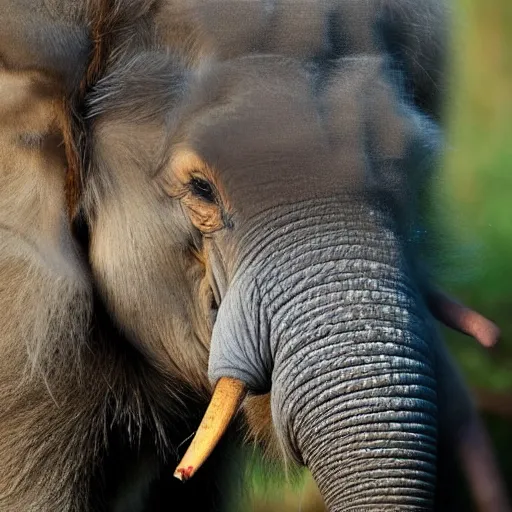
474 212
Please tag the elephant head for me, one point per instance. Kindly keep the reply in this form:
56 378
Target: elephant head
270 205
245 206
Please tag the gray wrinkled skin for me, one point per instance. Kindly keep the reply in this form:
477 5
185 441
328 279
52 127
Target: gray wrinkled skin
331 322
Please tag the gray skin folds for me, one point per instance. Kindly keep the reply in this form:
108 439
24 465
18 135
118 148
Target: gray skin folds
322 310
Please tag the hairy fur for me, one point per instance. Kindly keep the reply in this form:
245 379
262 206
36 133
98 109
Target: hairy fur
46 303
69 379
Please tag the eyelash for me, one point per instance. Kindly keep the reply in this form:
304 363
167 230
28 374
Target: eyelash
202 189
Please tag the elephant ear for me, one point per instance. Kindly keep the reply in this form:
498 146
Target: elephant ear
144 255
43 49
49 36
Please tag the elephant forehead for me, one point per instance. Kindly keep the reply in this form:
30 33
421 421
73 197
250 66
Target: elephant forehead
259 121
266 123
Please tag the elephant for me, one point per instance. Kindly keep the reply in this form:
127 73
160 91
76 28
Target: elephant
225 195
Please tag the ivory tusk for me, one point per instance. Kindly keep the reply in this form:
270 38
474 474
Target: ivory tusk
463 319
227 396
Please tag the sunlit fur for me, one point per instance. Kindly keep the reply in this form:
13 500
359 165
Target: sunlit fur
45 297
65 384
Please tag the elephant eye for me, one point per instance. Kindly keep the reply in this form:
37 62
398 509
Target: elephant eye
202 189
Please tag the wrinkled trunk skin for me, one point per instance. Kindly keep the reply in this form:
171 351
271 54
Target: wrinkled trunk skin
357 400
353 387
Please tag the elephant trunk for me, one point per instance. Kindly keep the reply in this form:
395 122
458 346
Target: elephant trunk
356 403
326 315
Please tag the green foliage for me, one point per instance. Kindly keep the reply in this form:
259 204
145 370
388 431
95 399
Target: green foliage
476 184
